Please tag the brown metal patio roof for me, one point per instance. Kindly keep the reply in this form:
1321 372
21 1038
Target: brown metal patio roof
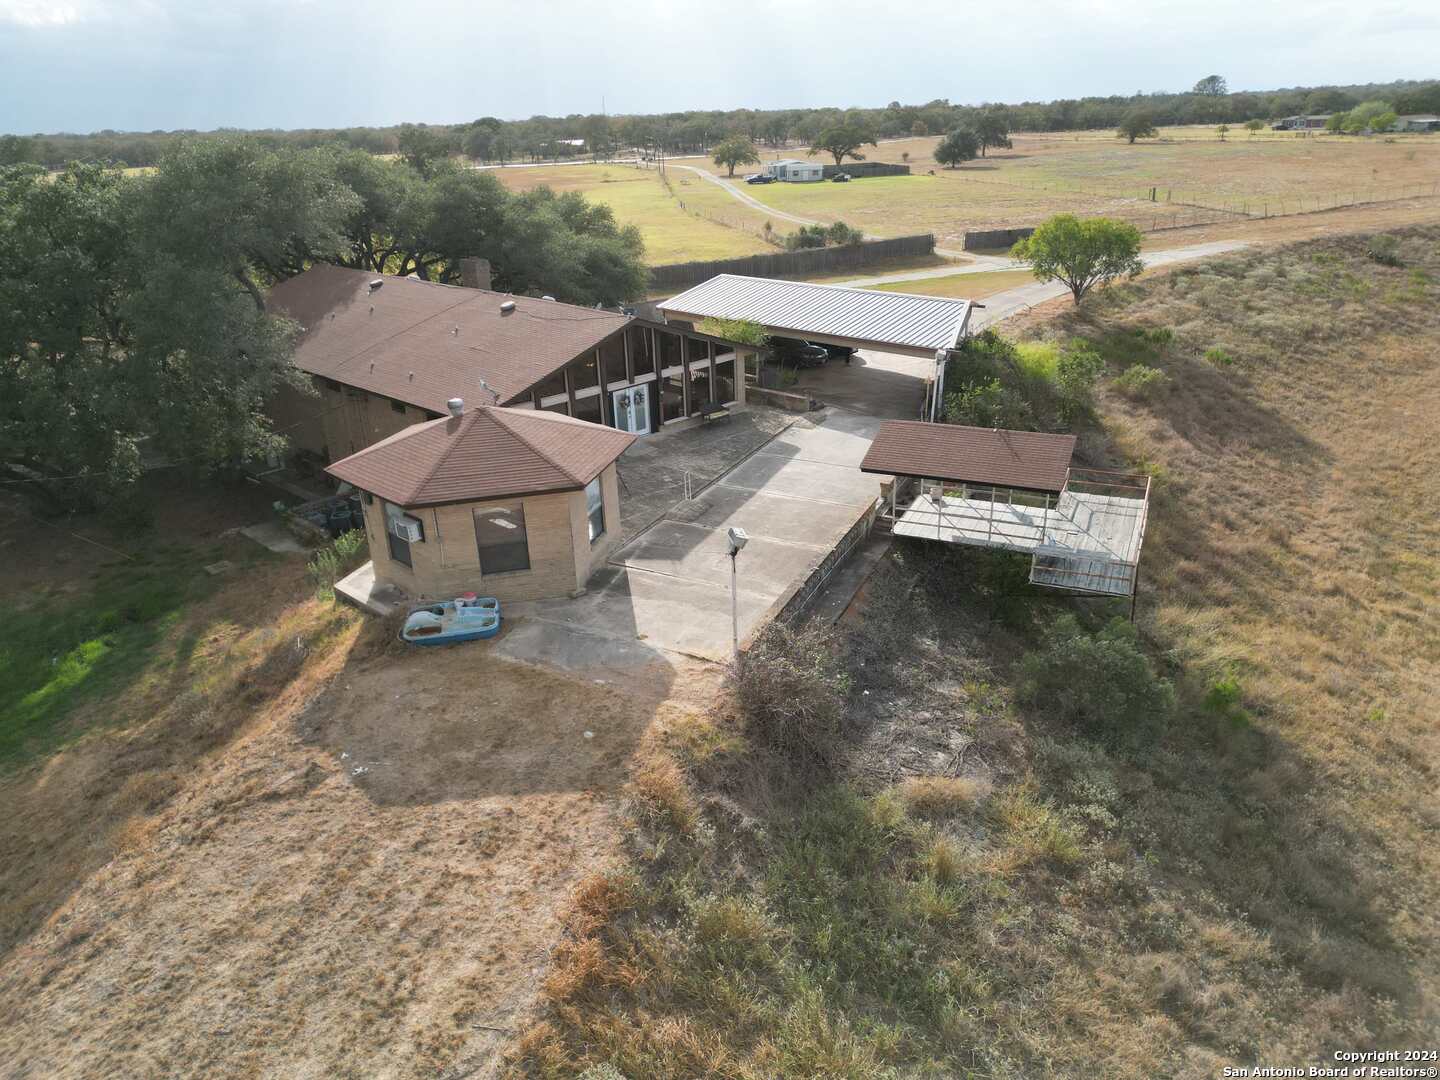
486 453
1031 460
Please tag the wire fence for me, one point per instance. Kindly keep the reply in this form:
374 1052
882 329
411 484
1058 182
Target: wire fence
1178 208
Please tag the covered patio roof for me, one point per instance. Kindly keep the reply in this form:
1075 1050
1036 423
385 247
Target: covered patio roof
1025 460
835 314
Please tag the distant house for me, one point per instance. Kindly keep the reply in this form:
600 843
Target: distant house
1310 122
387 352
1417 122
578 144
794 170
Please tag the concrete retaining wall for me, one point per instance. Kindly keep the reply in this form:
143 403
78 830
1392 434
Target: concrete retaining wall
779 399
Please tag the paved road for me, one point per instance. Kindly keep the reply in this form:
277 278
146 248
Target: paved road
1002 305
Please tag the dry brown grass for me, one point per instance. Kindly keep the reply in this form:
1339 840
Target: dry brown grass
306 851
942 796
1257 886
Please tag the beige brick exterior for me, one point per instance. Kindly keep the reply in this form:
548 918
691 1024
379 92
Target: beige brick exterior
447 562
337 423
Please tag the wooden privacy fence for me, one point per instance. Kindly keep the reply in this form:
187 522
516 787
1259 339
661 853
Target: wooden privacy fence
783 264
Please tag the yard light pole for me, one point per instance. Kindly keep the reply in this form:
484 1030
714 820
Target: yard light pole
738 539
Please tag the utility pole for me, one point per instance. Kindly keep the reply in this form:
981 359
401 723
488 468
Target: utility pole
738 539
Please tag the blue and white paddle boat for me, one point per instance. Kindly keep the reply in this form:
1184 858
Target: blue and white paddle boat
466 618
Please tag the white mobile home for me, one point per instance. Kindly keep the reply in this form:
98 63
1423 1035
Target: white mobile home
794 170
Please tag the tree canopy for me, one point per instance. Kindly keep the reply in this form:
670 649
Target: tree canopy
959 146
1211 86
1137 125
736 150
1082 254
132 316
843 140
992 129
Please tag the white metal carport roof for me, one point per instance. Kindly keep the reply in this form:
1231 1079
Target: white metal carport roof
838 314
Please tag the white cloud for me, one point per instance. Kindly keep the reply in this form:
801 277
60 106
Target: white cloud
43 12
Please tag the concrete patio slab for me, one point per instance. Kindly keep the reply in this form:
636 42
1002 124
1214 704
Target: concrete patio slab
874 383
360 588
697 553
274 536
668 588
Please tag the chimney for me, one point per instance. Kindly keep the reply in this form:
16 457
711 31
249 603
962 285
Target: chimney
475 273
456 406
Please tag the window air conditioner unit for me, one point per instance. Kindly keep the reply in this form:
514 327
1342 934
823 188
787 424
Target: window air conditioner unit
406 528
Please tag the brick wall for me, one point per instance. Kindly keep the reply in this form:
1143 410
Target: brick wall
338 422
447 562
591 557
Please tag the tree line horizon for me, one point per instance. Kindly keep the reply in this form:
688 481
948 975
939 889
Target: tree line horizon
543 138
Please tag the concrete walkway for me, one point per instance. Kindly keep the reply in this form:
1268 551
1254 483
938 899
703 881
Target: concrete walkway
668 589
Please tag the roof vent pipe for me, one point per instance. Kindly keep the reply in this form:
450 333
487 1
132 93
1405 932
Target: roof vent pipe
376 283
507 307
456 406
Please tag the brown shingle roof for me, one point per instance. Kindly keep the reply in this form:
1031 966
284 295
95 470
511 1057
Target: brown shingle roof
399 340
1019 459
488 453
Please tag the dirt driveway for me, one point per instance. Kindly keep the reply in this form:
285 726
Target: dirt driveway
367 885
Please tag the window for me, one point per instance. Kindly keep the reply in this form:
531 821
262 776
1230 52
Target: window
399 546
672 398
612 360
699 388
588 408
584 373
551 387
397 406
725 377
595 509
501 540
642 359
669 348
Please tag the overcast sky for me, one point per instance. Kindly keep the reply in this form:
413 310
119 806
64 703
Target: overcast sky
86 65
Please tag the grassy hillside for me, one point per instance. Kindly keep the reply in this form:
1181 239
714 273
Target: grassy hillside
976 883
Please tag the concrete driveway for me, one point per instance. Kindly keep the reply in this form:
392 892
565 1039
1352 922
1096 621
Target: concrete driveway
668 588
887 385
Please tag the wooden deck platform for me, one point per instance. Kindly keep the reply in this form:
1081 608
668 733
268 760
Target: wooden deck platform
1087 542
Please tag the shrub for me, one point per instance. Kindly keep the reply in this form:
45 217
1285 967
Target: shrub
1141 381
791 689
335 560
819 236
1217 355
1222 699
1384 249
1076 374
1035 386
1102 683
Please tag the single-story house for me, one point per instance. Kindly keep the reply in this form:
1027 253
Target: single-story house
520 504
1311 122
1416 122
387 352
794 170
